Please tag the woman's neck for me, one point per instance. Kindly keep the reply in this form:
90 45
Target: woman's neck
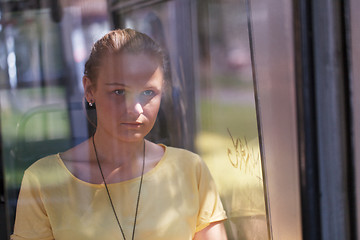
114 151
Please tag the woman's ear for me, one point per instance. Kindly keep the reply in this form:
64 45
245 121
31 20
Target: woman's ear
88 89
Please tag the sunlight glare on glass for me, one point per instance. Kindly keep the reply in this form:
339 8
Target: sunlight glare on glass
12 73
10 43
11 59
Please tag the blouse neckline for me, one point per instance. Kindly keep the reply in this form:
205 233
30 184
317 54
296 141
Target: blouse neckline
147 174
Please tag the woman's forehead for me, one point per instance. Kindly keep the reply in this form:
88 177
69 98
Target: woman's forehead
128 78
129 64
130 69
128 59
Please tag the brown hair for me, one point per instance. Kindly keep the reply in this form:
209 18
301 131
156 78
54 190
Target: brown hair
121 41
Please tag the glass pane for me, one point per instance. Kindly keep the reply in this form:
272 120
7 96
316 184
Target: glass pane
41 65
209 107
226 133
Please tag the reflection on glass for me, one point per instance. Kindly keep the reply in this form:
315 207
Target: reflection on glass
41 64
177 126
226 133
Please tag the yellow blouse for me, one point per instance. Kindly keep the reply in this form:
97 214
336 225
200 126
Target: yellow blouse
178 198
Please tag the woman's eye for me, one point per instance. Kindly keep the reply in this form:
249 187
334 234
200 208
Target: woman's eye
119 92
148 92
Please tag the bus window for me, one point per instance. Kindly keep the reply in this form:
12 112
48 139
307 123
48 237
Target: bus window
209 106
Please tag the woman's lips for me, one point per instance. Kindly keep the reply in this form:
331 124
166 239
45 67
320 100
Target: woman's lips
131 124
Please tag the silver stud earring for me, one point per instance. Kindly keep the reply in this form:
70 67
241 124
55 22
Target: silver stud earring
91 103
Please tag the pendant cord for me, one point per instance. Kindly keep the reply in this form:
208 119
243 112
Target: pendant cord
108 193
138 198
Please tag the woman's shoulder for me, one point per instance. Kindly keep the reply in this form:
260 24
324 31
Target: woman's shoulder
44 163
182 156
41 169
186 163
180 152
54 162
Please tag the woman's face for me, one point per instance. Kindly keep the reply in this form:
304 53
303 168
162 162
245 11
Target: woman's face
127 95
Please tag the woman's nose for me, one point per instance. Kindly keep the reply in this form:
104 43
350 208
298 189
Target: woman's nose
133 106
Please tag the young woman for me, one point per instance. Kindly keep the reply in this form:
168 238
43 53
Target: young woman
117 185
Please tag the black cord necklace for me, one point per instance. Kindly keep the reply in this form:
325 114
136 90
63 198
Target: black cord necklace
108 193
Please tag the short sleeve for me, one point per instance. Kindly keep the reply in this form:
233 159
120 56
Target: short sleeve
211 208
31 219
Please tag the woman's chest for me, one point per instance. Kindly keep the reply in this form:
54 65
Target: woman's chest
166 210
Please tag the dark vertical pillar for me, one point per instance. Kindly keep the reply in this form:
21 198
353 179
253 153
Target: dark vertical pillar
306 113
332 118
185 69
323 111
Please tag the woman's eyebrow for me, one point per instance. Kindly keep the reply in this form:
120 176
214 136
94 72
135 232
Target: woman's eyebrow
115 84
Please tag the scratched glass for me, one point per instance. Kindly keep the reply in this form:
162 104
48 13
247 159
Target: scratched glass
228 139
